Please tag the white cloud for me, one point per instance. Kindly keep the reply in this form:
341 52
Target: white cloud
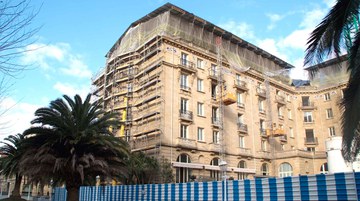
274 18
329 3
77 68
298 72
42 54
271 46
71 89
241 29
15 116
50 57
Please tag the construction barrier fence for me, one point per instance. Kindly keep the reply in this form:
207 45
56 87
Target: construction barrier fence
338 186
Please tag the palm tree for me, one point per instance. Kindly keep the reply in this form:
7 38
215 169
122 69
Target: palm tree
142 169
10 164
329 38
71 143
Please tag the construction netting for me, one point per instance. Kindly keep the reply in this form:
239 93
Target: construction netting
168 24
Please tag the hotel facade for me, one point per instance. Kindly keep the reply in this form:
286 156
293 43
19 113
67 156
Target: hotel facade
195 94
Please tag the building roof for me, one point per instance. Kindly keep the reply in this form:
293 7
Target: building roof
207 26
328 63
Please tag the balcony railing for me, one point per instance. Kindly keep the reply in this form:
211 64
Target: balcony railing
186 143
263 132
311 141
241 105
244 151
261 92
186 115
307 106
185 87
187 65
262 111
215 121
214 74
242 127
240 84
283 138
281 116
280 99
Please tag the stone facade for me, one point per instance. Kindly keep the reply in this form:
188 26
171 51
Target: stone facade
166 89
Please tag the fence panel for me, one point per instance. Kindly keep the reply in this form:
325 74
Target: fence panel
339 186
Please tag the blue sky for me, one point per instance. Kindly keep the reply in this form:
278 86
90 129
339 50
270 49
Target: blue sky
75 36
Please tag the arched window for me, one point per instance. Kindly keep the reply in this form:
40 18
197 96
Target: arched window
215 174
183 173
285 170
324 168
242 175
265 169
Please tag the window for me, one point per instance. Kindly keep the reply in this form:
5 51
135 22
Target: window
200 134
184 82
285 170
127 135
289 114
182 173
264 169
282 147
238 78
309 133
261 106
239 99
327 96
241 141
308 117
324 168
305 101
213 70
200 85
240 118
288 97
200 109
331 131
200 63
130 87
329 113
183 131
215 174
216 137
184 58
183 105
291 131
213 91
263 145
262 127
214 113
280 112
242 175
342 93
311 149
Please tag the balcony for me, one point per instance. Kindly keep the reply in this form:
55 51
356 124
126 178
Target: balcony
307 106
186 143
241 105
215 121
264 132
185 87
243 151
280 99
262 111
301 153
260 92
186 115
283 138
281 117
278 132
239 84
264 154
215 147
311 141
187 66
214 74
242 128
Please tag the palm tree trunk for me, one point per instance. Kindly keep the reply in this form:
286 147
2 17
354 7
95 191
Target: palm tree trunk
72 193
16 191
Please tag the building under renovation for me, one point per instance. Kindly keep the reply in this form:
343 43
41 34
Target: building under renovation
197 95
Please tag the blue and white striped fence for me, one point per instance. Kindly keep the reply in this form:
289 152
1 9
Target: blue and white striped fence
339 186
